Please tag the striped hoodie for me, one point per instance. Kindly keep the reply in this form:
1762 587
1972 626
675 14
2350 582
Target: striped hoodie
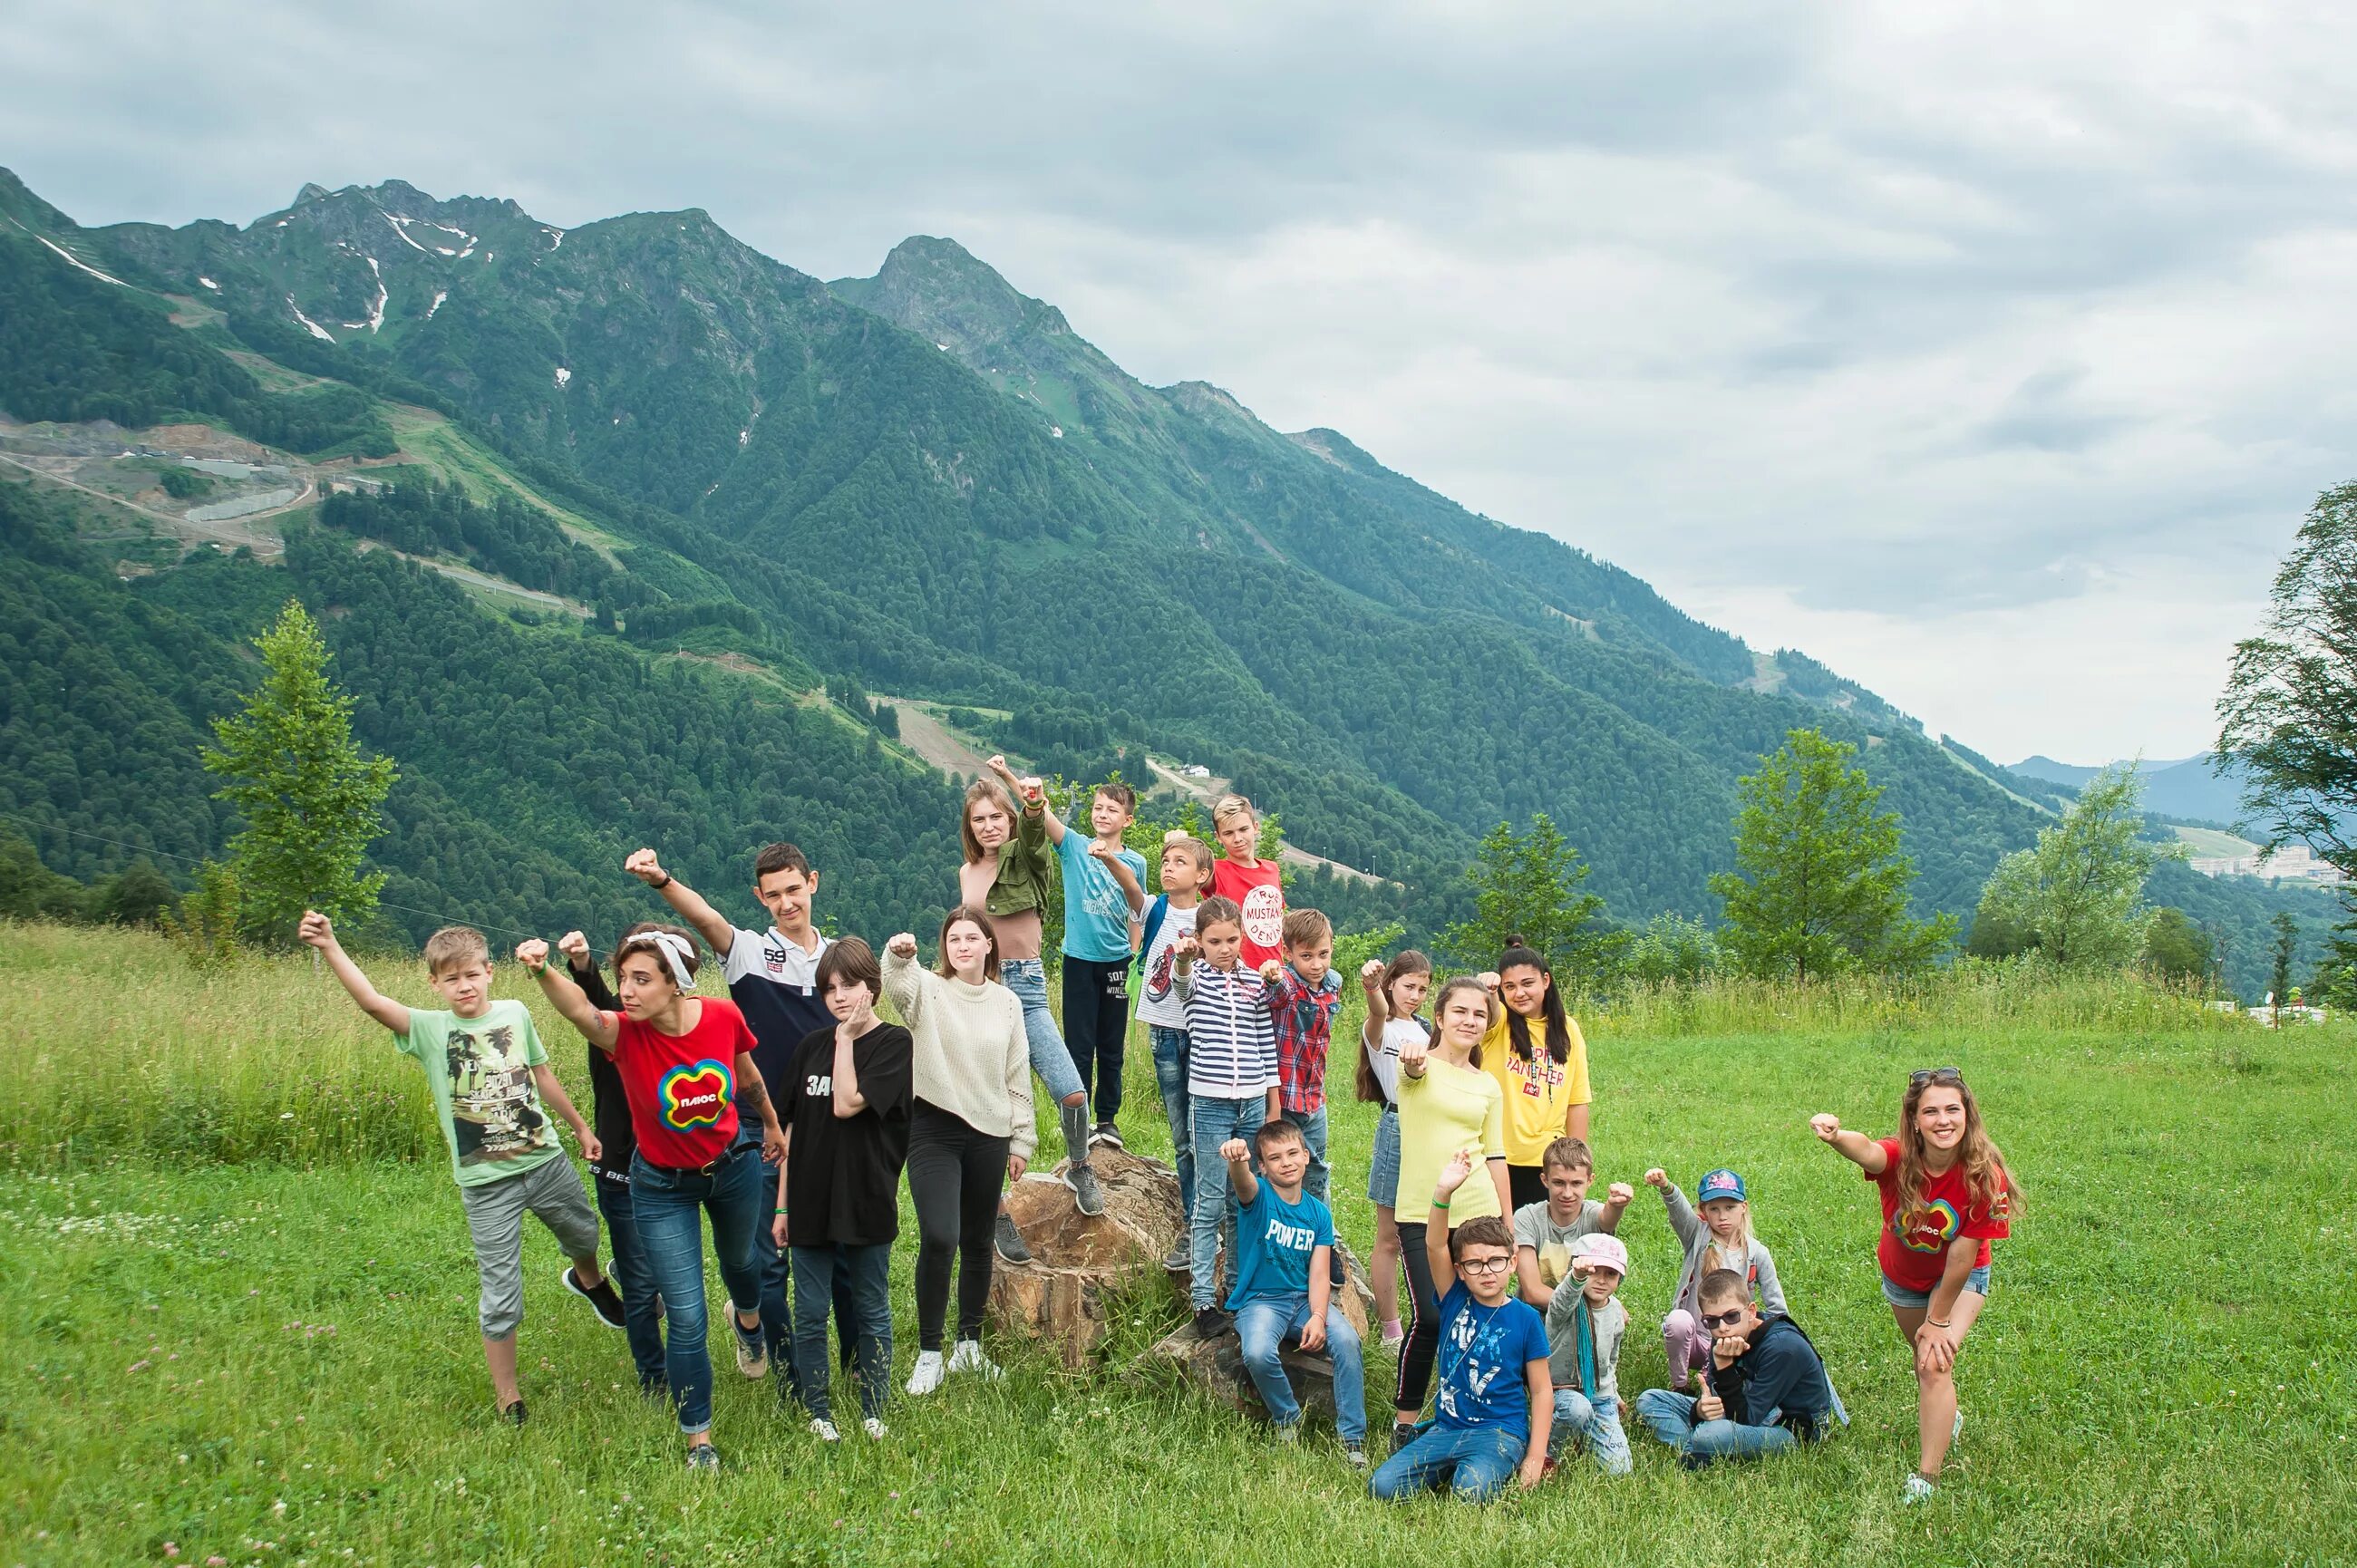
1231 1029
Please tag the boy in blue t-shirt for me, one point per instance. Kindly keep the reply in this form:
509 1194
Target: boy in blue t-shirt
1105 893
1496 1400
1285 1242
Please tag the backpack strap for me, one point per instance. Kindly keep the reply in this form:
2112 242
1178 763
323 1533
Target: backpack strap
1153 914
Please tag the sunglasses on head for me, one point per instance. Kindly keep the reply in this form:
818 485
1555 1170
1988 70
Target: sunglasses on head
1935 1074
1717 1320
1485 1265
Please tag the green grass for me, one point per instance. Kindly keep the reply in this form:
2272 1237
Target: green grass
255 1339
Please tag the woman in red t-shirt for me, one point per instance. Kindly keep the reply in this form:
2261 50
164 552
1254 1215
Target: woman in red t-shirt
687 1064
1941 1182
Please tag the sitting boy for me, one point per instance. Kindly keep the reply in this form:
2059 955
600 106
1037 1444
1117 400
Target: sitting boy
1585 1327
1766 1388
1496 1401
1285 1239
492 1087
1546 1233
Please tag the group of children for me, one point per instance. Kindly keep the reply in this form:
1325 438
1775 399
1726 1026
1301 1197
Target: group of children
789 1114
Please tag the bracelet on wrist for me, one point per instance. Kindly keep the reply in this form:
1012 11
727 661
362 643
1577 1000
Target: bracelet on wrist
1438 1201
1936 1323
777 1211
664 883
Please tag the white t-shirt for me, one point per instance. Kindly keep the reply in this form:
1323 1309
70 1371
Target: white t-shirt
1397 1032
1168 1011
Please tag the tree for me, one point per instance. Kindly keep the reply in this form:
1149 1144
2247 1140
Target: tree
1528 885
2289 717
2335 980
1820 882
2178 950
308 797
2077 896
2287 943
136 896
1673 949
204 927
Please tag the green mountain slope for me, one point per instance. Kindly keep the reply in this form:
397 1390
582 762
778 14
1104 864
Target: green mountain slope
930 483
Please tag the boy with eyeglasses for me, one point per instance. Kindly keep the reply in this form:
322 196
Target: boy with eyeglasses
1765 1390
1496 1398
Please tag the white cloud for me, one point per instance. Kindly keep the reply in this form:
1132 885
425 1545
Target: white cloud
1990 354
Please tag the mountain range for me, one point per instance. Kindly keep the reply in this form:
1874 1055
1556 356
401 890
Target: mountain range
869 529
2190 789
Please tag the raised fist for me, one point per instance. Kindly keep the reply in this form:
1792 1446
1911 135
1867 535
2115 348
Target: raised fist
315 932
575 946
1825 1125
1658 1179
903 946
1620 1192
1234 1149
644 865
531 952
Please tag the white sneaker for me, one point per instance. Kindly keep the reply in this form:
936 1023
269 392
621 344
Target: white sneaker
1916 1490
874 1427
752 1355
966 1357
928 1373
824 1430
1956 1427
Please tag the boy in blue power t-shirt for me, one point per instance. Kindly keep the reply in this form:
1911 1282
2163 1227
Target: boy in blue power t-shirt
1284 1244
1496 1400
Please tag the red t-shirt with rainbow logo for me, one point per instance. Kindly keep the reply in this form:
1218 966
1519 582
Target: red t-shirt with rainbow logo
1913 1251
682 1088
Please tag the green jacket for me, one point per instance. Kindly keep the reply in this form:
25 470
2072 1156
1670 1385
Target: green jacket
1022 869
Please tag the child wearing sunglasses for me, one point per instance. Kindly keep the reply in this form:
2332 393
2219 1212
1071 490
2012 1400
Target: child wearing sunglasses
1716 1231
1765 1390
1941 1181
1496 1399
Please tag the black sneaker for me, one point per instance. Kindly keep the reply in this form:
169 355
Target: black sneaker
1692 1461
1105 1132
602 1298
1009 1240
1211 1323
654 1386
513 1413
1403 1434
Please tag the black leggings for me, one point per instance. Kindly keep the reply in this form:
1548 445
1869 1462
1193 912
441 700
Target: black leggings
1424 1326
1525 1185
955 1174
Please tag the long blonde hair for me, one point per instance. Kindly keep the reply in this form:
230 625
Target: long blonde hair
1987 1180
985 789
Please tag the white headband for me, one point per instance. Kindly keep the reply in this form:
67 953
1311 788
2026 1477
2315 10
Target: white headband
676 951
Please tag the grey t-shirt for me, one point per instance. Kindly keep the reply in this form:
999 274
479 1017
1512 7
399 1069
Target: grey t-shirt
1535 1227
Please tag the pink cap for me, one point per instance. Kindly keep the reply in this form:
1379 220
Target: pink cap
1598 1248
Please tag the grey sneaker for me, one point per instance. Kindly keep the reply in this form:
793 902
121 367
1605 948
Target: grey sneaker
1086 1193
1356 1453
703 1457
1180 1259
1009 1240
1289 1433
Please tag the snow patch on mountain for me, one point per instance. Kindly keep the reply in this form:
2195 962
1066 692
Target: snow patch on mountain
438 299
563 376
80 265
209 284
316 330
556 237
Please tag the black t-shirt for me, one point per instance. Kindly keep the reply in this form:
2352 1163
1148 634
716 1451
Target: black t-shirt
842 1173
610 1110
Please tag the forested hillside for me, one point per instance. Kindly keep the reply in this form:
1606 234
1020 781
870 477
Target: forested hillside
924 483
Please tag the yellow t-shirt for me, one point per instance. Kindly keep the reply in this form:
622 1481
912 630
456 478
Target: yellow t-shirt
1448 1109
1538 1092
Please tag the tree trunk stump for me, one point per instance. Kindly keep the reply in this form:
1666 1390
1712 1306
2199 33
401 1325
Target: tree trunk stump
1077 1260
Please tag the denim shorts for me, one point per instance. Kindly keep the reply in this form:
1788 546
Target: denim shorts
1382 1169
1977 1282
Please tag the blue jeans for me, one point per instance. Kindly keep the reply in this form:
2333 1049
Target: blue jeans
1672 1418
1313 1133
1027 978
775 1269
1215 1121
821 1276
1264 1325
1578 1419
641 1307
664 1203
1475 1463
1170 1077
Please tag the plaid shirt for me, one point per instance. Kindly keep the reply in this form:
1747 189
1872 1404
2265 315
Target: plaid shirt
1305 1026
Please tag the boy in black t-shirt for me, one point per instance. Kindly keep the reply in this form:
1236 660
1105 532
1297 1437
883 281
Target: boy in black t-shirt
845 1103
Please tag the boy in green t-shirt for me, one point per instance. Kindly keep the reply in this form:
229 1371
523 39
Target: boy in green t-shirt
490 1080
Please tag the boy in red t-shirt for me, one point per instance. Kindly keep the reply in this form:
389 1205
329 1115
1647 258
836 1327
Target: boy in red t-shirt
1252 883
1941 1180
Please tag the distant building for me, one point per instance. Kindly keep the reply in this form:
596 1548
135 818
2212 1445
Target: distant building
1196 770
2293 863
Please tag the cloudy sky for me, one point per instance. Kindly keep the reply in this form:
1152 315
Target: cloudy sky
1989 352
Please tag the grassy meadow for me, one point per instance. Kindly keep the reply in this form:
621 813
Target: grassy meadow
237 1314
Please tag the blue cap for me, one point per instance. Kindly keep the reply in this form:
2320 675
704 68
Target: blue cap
1721 1183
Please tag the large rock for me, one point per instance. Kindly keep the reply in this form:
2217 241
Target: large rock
1078 1261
